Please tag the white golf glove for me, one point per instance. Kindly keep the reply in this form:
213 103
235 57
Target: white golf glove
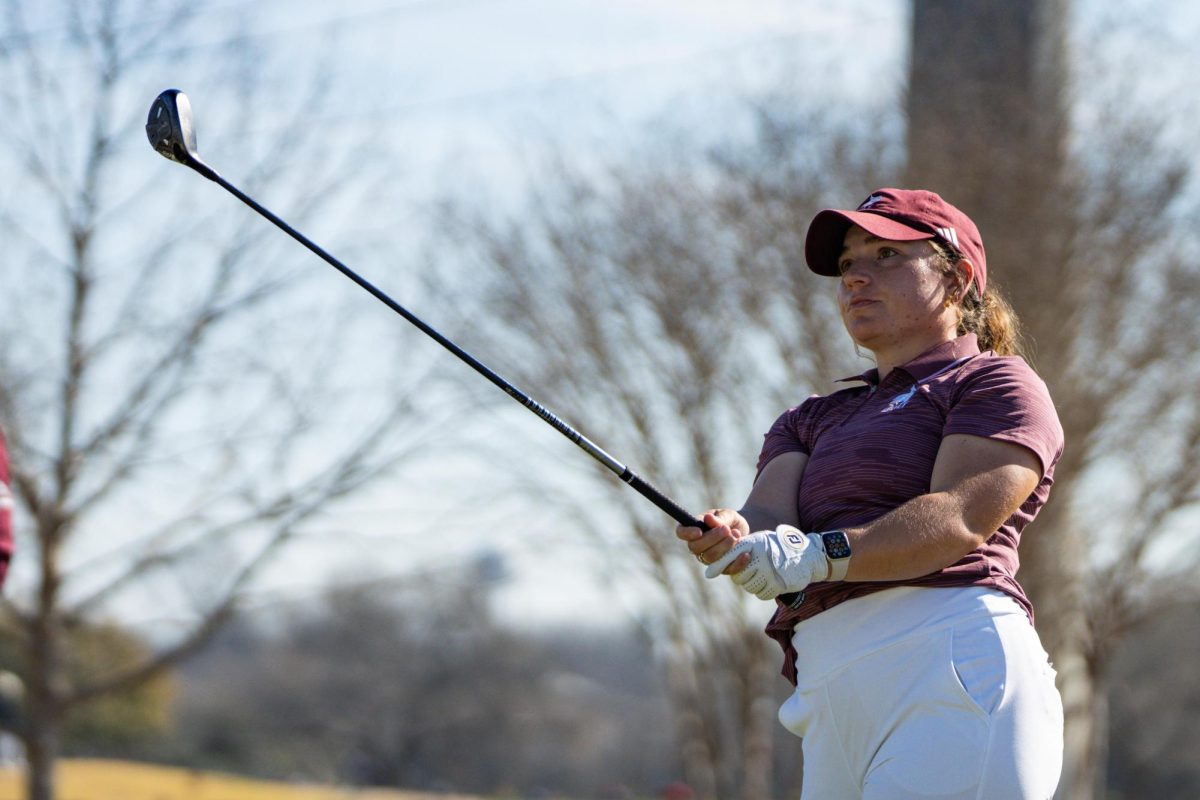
783 560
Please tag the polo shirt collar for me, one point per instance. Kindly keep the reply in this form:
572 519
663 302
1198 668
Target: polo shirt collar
936 358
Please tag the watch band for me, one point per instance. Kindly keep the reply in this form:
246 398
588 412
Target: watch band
837 553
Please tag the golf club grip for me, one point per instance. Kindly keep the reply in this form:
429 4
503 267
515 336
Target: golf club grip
659 499
616 467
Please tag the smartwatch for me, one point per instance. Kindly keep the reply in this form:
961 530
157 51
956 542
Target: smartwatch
837 553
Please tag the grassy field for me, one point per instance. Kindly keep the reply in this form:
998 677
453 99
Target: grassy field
86 779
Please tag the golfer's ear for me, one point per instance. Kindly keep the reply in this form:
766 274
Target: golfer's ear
966 273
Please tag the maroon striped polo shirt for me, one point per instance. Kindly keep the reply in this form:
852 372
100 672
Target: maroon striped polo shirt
871 448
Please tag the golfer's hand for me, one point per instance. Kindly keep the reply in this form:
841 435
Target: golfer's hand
726 527
783 560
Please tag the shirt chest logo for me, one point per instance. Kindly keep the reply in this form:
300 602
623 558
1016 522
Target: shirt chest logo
899 401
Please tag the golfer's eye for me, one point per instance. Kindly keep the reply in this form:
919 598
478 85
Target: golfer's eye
887 252
843 266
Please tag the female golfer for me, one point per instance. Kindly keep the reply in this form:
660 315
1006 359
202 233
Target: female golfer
886 518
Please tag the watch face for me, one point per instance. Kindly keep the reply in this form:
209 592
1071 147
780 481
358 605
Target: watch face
836 544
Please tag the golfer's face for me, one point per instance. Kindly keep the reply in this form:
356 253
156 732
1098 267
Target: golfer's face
889 292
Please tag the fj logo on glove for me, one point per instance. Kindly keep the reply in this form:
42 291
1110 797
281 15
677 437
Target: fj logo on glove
795 539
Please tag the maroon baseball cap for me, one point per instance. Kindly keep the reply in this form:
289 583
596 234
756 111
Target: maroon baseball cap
901 215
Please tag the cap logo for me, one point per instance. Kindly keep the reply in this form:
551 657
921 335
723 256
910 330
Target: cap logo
870 201
950 235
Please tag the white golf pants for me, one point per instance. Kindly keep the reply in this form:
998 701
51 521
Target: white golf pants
925 693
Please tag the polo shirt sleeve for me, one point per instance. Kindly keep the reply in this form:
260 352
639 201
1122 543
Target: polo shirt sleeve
1005 399
792 432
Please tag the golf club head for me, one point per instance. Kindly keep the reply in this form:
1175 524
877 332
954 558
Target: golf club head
169 128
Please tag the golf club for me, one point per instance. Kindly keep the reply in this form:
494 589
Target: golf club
171 132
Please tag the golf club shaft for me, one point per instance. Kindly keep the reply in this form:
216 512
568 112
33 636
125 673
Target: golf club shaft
623 472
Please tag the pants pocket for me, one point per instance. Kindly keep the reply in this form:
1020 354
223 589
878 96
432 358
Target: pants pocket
978 660
936 735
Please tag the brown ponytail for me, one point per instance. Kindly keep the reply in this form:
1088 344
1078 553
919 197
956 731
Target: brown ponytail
989 317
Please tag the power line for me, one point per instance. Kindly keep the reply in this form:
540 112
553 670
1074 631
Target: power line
348 19
553 82
550 83
334 24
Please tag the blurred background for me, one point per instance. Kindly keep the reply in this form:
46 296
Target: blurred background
265 527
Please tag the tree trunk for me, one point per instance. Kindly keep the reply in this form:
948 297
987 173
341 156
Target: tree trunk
44 708
761 721
41 755
699 762
1052 554
44 679
1096 765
